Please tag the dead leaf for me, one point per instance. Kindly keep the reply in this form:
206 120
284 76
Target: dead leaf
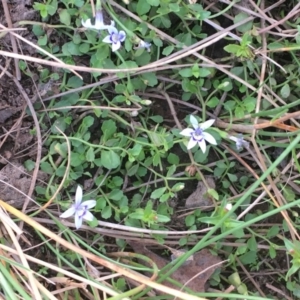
201 267
199 198
14 181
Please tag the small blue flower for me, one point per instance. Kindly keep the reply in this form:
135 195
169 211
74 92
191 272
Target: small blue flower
99 24
143 44
115 38
80 209
197 135
239 142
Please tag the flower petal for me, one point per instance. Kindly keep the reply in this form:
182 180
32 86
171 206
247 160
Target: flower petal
122 36
202 145
99 18
194 122
107 39
87 24
192 143
78 221
69 212
112 29
208 137
228 206
88 216
115 46
78 195
143 44
89 203
233 138
187 132
207 124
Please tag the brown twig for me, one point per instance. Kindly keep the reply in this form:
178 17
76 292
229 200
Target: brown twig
12 38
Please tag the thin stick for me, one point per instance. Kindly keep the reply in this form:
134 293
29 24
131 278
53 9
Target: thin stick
12 38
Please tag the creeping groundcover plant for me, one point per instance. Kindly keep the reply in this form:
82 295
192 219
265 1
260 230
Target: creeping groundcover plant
165 134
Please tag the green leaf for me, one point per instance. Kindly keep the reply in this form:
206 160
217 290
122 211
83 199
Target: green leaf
106 212
110 159
87 122
250 103
74 82
141 171
273 231
204 72
244 27
165 197
135 150
84 48
132 170
65 17
232 177
231 48
70 49
186 72
291 271
173 159
46 167
168 50
149 79
108 128
43 40
285 91
272 252
158 193
142 7
157 41
116 195
42 8
213 102
29 165
252 244
248 258
162 218
61 171
190 220
152 2
239 112
171 170
213 193
52 7
157 119
177 187
38 30
165 21
90 155
40 190
59 123
275 45
174 7
77 159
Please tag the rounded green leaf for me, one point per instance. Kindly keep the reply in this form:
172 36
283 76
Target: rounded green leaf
110 159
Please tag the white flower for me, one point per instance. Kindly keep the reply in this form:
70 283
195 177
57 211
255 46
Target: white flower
143 44
197 135
239 142
134 113
80 209
99 24
115 38
228 206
